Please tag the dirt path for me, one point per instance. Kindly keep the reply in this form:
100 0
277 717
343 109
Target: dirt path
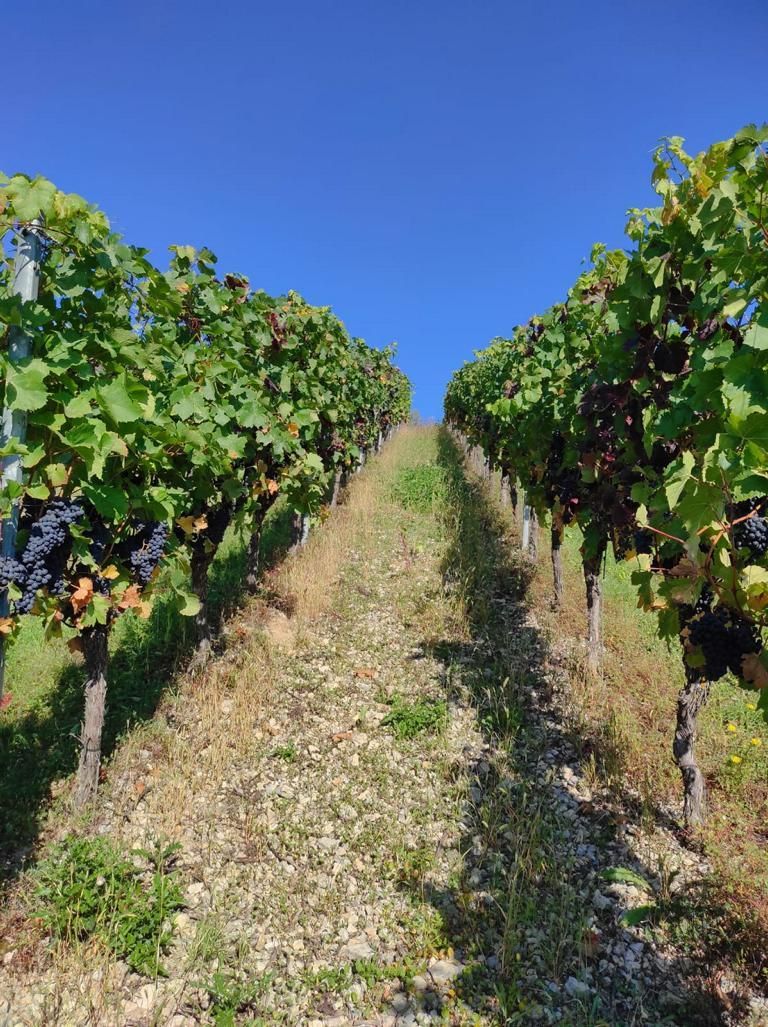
381 815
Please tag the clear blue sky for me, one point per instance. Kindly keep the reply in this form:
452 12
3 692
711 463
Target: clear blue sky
434 171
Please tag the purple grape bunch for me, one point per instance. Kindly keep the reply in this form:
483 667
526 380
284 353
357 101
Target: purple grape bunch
146 549
724 639
44 558
752 534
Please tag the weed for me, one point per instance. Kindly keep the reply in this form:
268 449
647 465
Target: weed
87 888
207 943
411 866
230 997
287 752
372 972
331 978
410 719
420 488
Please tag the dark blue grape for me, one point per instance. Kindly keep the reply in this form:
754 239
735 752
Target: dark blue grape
45 555
724 638
145 549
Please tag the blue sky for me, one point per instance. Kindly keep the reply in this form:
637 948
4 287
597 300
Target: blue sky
435 172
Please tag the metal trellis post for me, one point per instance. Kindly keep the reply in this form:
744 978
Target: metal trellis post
26 285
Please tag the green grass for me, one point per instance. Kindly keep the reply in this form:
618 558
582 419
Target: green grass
40 728
421 487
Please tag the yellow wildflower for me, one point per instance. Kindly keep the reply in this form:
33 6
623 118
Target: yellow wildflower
736 760
730 727
755 741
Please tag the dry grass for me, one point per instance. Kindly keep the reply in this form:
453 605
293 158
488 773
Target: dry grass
305 582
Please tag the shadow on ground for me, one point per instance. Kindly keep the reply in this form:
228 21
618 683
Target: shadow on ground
41 746
523 916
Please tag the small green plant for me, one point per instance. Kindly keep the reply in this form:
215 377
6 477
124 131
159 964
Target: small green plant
421 487
287 752
88 889
230 997
411 866
410 719
372 972
331 978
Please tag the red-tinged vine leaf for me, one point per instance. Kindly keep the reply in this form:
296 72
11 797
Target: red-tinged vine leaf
754 670
293 429
82 595
130 599
75 645
272 486
6 625
5 701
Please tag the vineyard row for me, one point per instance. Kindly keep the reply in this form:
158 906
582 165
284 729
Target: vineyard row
144 412
637 411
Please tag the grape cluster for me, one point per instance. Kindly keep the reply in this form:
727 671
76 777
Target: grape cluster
642 540
45 554
688 612
724 638
145 550
751 534
12 572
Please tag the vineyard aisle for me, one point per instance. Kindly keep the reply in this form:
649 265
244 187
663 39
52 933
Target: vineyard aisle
379 807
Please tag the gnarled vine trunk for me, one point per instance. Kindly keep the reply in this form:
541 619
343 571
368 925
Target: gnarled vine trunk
336 489
253 557
96 652
504 489
689 702
592 568
200 564
557 568
299 530
533 538
203 551
253 554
